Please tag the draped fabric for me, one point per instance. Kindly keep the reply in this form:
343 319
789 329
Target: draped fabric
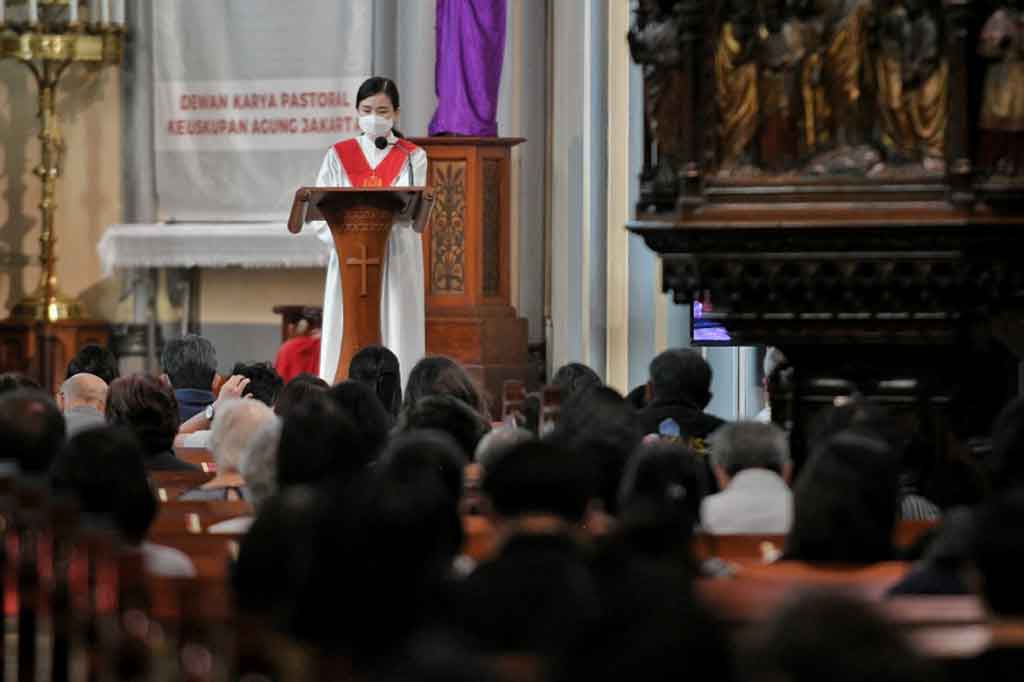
470 50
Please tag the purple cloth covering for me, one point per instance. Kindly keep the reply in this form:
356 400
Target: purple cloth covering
470 50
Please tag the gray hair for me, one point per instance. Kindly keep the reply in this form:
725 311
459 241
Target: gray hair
499 441
259 463
749 445
235 426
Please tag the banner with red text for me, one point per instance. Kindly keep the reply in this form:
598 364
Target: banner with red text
248 96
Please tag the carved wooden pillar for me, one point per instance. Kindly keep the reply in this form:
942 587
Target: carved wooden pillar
466 257
958 47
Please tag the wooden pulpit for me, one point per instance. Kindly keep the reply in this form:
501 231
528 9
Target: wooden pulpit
467 257
360 219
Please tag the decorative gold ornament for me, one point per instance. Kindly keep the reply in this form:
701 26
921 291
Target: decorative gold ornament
48 36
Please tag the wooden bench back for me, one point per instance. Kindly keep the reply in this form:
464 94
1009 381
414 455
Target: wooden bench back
169 485
196 517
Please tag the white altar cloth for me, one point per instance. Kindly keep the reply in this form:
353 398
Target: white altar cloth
210 245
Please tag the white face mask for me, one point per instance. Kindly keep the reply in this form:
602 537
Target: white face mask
375 126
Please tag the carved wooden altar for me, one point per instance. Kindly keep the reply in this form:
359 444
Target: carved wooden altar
843 179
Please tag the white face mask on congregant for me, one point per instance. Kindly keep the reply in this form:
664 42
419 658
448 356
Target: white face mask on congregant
375 126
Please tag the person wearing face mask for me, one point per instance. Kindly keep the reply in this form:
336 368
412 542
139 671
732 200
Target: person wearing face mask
378 157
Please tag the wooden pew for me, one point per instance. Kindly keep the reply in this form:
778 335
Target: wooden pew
201 457
170 484
196 517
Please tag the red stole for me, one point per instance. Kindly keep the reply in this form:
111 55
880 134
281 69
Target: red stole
358 168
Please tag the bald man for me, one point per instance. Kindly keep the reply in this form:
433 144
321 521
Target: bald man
83 400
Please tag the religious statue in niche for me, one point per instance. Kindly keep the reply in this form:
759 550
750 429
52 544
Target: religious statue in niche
830 87
654 44
1001 143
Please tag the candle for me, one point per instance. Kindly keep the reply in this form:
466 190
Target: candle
104 12
117 12
33 11
73 12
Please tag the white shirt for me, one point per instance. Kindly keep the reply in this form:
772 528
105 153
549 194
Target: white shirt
755 501
403 316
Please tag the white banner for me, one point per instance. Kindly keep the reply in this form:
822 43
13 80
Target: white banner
248 96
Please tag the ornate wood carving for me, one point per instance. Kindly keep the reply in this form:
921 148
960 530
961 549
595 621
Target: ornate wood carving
447 235
492 227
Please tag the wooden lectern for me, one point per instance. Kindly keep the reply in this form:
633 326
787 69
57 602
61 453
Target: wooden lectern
360 219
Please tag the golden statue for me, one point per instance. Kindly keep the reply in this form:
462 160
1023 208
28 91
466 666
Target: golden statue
817 111
1001 144
912 81
735 96
844 59
782 97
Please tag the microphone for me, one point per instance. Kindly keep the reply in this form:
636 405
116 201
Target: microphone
381 143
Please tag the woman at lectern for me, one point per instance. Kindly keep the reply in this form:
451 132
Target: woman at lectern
378 157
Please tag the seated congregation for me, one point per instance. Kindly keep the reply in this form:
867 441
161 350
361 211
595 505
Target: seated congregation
369 530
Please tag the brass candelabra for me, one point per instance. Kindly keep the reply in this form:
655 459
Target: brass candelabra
48 36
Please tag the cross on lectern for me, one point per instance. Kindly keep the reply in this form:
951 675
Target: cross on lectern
363 262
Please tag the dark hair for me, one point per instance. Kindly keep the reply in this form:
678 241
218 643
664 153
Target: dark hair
598 424
12 381
448 414
104 468
821 631
575 377
846 502
190 362
1005 464
681 373
438 375
539 477
148 407
369 416
93 359
664 481
264 382
320 444
32 429
998 552
378 368
411 456
378 85
298 390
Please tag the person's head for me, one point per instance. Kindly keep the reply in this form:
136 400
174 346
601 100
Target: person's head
499 441
438 375
417 454
749 445
845 502
83 390
264 382
236 425
320 444
378 105
32 429
539 479
378 368
839 636
370 417
997 551
148 407
259 463
664 483
190 362
448 414
681 374
1005 464
599 425
104 469
13 381
297 391
93 359
575 377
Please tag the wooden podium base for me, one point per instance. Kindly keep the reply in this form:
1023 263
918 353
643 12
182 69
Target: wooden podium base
42 350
